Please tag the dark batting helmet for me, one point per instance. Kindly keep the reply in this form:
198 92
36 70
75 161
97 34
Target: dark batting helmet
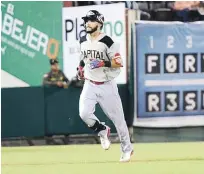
94 15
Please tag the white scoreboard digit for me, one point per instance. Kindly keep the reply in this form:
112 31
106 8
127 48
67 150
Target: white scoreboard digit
169 69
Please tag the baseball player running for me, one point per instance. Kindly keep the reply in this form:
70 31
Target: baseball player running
100 64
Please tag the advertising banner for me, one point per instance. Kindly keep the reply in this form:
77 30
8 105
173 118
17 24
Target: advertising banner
31 34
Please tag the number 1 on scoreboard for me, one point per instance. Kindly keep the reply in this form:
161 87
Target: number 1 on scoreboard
151 42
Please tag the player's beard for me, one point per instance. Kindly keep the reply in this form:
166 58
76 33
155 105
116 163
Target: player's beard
93 30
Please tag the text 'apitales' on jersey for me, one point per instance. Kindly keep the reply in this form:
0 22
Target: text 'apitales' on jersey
92 54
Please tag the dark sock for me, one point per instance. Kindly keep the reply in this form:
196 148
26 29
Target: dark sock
97 127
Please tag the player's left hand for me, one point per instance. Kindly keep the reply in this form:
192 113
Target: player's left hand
96 63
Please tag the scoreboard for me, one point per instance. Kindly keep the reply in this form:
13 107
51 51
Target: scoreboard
169 65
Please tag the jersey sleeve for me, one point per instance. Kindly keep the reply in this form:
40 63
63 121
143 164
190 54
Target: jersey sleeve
81 56
114 54
82 39
113 50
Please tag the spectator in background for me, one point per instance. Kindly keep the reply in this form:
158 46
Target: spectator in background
180 5
55 78
200 7
187 10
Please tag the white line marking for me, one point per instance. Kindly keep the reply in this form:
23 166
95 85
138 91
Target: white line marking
180 82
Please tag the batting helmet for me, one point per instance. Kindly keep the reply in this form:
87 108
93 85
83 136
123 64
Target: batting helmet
94 15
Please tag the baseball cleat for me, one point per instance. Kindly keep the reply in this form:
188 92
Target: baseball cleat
125 157
104 137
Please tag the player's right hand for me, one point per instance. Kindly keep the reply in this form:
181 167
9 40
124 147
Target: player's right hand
80 73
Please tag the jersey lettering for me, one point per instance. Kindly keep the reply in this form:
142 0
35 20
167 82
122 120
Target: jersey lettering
93 54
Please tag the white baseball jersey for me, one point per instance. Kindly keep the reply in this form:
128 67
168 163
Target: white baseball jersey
102 48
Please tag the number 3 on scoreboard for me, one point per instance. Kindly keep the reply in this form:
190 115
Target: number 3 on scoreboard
189 43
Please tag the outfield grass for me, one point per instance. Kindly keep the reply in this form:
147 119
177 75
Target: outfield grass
152 158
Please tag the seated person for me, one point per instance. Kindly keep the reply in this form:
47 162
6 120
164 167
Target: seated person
55 77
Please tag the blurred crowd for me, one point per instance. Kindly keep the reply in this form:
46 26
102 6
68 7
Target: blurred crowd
184 11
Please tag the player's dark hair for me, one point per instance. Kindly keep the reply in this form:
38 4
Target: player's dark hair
101 27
